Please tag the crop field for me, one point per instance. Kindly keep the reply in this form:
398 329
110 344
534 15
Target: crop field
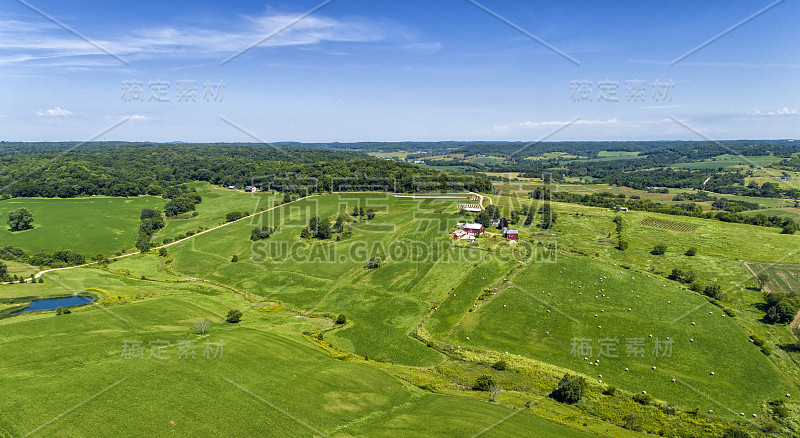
782 277
85 225
575 312
664 224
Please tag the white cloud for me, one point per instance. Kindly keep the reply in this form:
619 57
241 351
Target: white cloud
26 42
137 117
577 122
779 113
54 112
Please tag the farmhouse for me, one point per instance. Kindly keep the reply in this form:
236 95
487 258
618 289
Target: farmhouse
473 228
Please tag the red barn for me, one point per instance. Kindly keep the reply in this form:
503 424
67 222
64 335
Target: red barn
473 228
512 234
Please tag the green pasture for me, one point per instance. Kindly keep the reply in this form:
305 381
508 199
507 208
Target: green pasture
85 225
546 298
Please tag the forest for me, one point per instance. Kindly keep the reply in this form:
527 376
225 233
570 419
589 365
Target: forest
132 169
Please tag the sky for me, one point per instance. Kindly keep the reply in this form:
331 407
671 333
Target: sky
357 70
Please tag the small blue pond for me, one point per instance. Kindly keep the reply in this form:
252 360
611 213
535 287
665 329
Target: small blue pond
55 303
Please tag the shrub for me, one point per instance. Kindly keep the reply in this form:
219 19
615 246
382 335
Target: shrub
735 432
341 319
643 399
691 252
483 383
500 365
659 249
162 252
373 262
234 316
235 258
570 389
59 311
714 291
610 391
235 216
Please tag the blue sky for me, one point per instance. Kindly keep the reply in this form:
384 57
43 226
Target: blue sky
359 70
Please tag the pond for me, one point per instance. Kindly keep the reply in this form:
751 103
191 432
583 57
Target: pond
55 303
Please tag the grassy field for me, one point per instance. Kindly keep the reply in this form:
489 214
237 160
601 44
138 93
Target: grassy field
562 313
617 154
287 286
729 161
782 277
217 202
258 375
400 155
85 225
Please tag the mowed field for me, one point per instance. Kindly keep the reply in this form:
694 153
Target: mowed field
272 379
256 378
85 225
575 311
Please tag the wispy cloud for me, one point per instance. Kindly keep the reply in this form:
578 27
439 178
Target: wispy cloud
783 112
53 112
33 41
577 122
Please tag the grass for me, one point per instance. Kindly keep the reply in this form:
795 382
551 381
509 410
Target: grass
730 161
85 225
623 154
424 288
782 277
267 377
217 202
517 320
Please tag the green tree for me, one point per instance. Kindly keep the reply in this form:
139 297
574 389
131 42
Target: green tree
514 217
20 219
548 216
762 279
305 234
484 382
691 252
143 242
529 217
162 252
234 316
3 269
341 319
659 249
373 262
484 219
234 258
493 212
570 389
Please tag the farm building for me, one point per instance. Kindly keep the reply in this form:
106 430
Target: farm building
512 234
251 189
473 228
786 178
470 208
